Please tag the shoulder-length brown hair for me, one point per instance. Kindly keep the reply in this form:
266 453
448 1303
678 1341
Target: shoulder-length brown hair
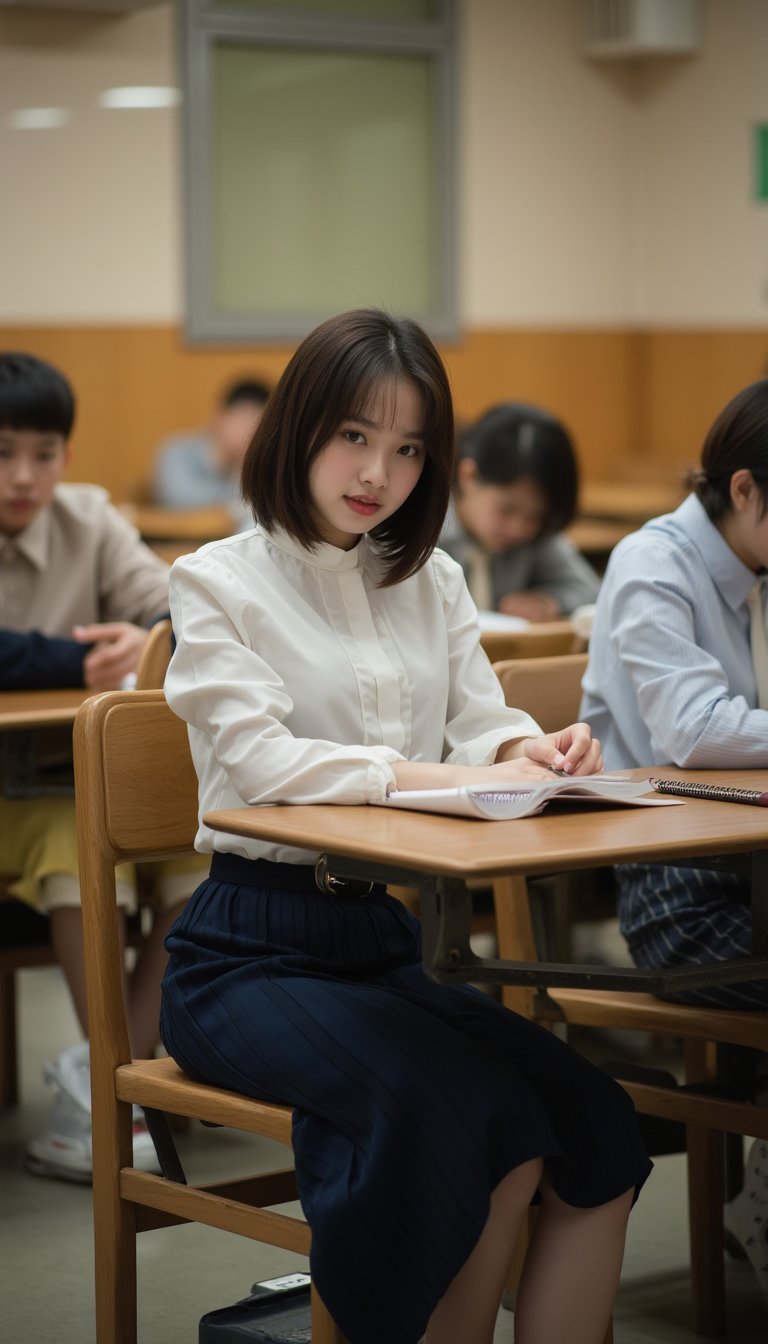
335 375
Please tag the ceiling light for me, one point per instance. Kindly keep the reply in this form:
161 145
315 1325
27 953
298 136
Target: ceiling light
140 95
38 118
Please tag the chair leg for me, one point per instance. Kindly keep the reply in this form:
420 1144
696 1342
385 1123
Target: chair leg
706 1190
9 1064
324 1328
705 1212
514 932
114 1227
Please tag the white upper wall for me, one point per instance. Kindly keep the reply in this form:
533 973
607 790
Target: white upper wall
704 257
592 193
90 216
546 166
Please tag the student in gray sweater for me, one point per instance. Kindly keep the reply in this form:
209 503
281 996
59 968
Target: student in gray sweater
516 490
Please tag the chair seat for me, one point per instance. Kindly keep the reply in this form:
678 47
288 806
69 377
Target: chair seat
643 1012
162 1085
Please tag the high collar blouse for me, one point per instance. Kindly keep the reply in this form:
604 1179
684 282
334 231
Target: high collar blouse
303 681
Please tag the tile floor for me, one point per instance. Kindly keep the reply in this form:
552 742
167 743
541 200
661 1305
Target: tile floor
46 1241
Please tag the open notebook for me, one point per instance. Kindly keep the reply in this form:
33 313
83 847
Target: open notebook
525 797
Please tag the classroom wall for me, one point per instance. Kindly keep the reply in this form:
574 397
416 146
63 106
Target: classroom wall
612 258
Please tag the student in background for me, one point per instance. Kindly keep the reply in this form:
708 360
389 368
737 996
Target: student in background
678 672
202 470
77 590
516 490
329 655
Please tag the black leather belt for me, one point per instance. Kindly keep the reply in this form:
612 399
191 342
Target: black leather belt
262 873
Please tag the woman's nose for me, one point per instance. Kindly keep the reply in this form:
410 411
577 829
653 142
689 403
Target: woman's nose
374 471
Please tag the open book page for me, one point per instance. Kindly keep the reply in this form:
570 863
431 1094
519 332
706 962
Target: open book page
525 797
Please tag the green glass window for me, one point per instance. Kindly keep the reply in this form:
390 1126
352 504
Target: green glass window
319 171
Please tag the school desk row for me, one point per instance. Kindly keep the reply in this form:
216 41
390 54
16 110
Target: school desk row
440 854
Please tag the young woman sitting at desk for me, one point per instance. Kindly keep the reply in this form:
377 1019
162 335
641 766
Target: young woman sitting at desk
327 656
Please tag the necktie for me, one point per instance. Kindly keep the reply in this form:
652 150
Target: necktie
759 642
479 579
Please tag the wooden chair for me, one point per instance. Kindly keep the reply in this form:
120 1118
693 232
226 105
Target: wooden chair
24 937
546 639
550 689
155 657
136 796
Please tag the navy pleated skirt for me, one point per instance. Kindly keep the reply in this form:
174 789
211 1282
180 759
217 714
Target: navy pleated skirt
411 1100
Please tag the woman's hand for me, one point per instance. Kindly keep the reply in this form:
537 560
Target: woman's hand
573 750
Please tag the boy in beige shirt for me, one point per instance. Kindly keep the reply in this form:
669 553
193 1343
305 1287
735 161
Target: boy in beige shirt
78 589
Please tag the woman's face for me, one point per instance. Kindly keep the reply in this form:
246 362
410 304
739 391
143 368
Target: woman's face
745 525
370 465
500 517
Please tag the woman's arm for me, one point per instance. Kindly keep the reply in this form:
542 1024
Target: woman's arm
681 691
481 730
573 751
237 703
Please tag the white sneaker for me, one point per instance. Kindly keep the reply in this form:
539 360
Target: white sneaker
65 1148
746 1217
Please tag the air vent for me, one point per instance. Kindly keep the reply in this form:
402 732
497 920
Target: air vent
633 28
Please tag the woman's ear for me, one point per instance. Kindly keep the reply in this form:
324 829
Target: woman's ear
742 489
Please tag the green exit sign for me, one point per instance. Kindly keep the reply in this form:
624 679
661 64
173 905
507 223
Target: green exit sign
761 162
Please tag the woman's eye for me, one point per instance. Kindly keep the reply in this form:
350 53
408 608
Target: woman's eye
410 450
354 436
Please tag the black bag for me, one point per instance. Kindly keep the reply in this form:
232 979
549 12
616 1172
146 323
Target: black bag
276 1312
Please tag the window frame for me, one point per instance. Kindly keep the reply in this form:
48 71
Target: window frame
203 25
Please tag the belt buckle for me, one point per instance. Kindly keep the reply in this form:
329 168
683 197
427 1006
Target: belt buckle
338 886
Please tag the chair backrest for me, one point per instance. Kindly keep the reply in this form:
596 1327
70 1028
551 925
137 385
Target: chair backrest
155 657
550 638
136 799
549 689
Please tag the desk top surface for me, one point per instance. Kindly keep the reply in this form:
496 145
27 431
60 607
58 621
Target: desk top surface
628 501
33 709
194 525
562 837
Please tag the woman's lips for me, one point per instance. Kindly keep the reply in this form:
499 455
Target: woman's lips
363 506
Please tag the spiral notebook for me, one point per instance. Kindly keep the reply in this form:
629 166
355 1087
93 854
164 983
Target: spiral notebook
719 793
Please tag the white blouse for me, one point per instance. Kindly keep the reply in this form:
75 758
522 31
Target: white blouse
302 681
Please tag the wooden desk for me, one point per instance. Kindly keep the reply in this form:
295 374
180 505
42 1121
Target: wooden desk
438 853
596 537
195 526
628 501
540 639
39 709
25 717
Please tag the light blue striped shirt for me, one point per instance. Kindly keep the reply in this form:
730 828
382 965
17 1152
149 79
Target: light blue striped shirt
670 677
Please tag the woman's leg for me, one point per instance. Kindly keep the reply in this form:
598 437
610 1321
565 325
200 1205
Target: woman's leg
469 1308
571 1271
144 985
67 940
